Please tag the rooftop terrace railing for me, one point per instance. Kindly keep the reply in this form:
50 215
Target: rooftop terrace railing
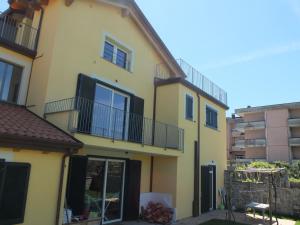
14 32
94 118
196 78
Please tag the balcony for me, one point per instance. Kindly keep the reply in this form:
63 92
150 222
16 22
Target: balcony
194 77
249 143
294 142
294 122
93 118
253 125
18 35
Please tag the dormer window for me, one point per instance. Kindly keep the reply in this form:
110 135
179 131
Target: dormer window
117 54
10 81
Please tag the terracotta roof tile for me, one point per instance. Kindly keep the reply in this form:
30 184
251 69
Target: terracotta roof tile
18 124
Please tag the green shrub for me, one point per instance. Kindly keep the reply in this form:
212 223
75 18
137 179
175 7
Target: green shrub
261 165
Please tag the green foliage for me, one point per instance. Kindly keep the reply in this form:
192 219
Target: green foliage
261 165
293 169
294 180
221 222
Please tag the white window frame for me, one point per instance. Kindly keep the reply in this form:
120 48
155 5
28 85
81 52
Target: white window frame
123 47
185 105
26 66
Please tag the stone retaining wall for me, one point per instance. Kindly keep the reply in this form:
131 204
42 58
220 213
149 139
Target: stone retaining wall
288 199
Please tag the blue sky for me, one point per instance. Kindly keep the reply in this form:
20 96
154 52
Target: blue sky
250 48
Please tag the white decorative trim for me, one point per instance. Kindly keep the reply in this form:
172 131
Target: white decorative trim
26 66
130 52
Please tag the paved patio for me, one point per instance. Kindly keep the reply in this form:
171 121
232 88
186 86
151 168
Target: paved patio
240 217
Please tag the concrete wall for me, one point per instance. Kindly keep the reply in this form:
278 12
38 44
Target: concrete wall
244 192
277 135
259 116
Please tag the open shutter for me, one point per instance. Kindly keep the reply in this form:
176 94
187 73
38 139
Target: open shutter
85 95
214 187
76 184
205 189
132 190
15 186
136 119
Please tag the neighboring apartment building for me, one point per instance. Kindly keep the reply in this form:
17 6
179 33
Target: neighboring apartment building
265 133
149 123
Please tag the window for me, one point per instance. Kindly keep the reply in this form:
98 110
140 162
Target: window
108 51
10 81
117 54
211 117
189 107
14 181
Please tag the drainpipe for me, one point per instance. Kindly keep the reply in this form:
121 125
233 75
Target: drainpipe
61 184
196 202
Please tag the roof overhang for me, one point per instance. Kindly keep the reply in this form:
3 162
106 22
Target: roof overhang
258 109
130 8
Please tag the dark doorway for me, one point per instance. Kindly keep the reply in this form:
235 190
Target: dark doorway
208 188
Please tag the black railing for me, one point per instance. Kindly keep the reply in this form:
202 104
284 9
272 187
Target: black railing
17 33
97 119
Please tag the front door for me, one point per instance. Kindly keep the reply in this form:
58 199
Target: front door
208 188
105 189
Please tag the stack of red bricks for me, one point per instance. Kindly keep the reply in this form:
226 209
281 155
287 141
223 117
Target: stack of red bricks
157 213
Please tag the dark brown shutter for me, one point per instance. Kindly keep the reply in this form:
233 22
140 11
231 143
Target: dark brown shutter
2 176
132 190
76 184
85 95
13 201
215 187
136 119
205 189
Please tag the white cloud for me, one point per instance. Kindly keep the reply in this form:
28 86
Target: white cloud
255 55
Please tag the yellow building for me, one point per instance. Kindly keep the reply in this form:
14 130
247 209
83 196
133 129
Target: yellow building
149 123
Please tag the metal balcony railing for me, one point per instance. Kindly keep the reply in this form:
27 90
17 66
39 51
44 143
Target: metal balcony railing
17 33
294 122
94 118
250 143
252 125
196 78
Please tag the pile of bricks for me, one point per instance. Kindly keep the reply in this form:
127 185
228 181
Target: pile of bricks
157 213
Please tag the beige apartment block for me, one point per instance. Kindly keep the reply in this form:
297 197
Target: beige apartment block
270 133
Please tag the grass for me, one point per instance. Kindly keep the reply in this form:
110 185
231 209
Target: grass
298 222
221 222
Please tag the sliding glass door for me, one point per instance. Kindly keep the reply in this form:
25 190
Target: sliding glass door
110 113
105 189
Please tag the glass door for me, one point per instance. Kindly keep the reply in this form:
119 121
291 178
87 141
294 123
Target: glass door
110 113
104 189
114 191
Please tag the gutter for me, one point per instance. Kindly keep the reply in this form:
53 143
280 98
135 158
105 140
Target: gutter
61 184
196 201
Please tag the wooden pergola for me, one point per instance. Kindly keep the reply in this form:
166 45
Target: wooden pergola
270 176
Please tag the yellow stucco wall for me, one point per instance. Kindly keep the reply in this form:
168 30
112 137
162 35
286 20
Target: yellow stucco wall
212 142
72 42
75 45
43 183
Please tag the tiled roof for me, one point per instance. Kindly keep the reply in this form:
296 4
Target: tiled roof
21 128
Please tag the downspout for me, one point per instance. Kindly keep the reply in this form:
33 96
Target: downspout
196 202
153 133
61 184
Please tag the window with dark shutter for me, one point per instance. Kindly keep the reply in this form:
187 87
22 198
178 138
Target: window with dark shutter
211 117
189 107
14 193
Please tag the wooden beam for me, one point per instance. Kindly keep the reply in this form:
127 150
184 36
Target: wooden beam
69 2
